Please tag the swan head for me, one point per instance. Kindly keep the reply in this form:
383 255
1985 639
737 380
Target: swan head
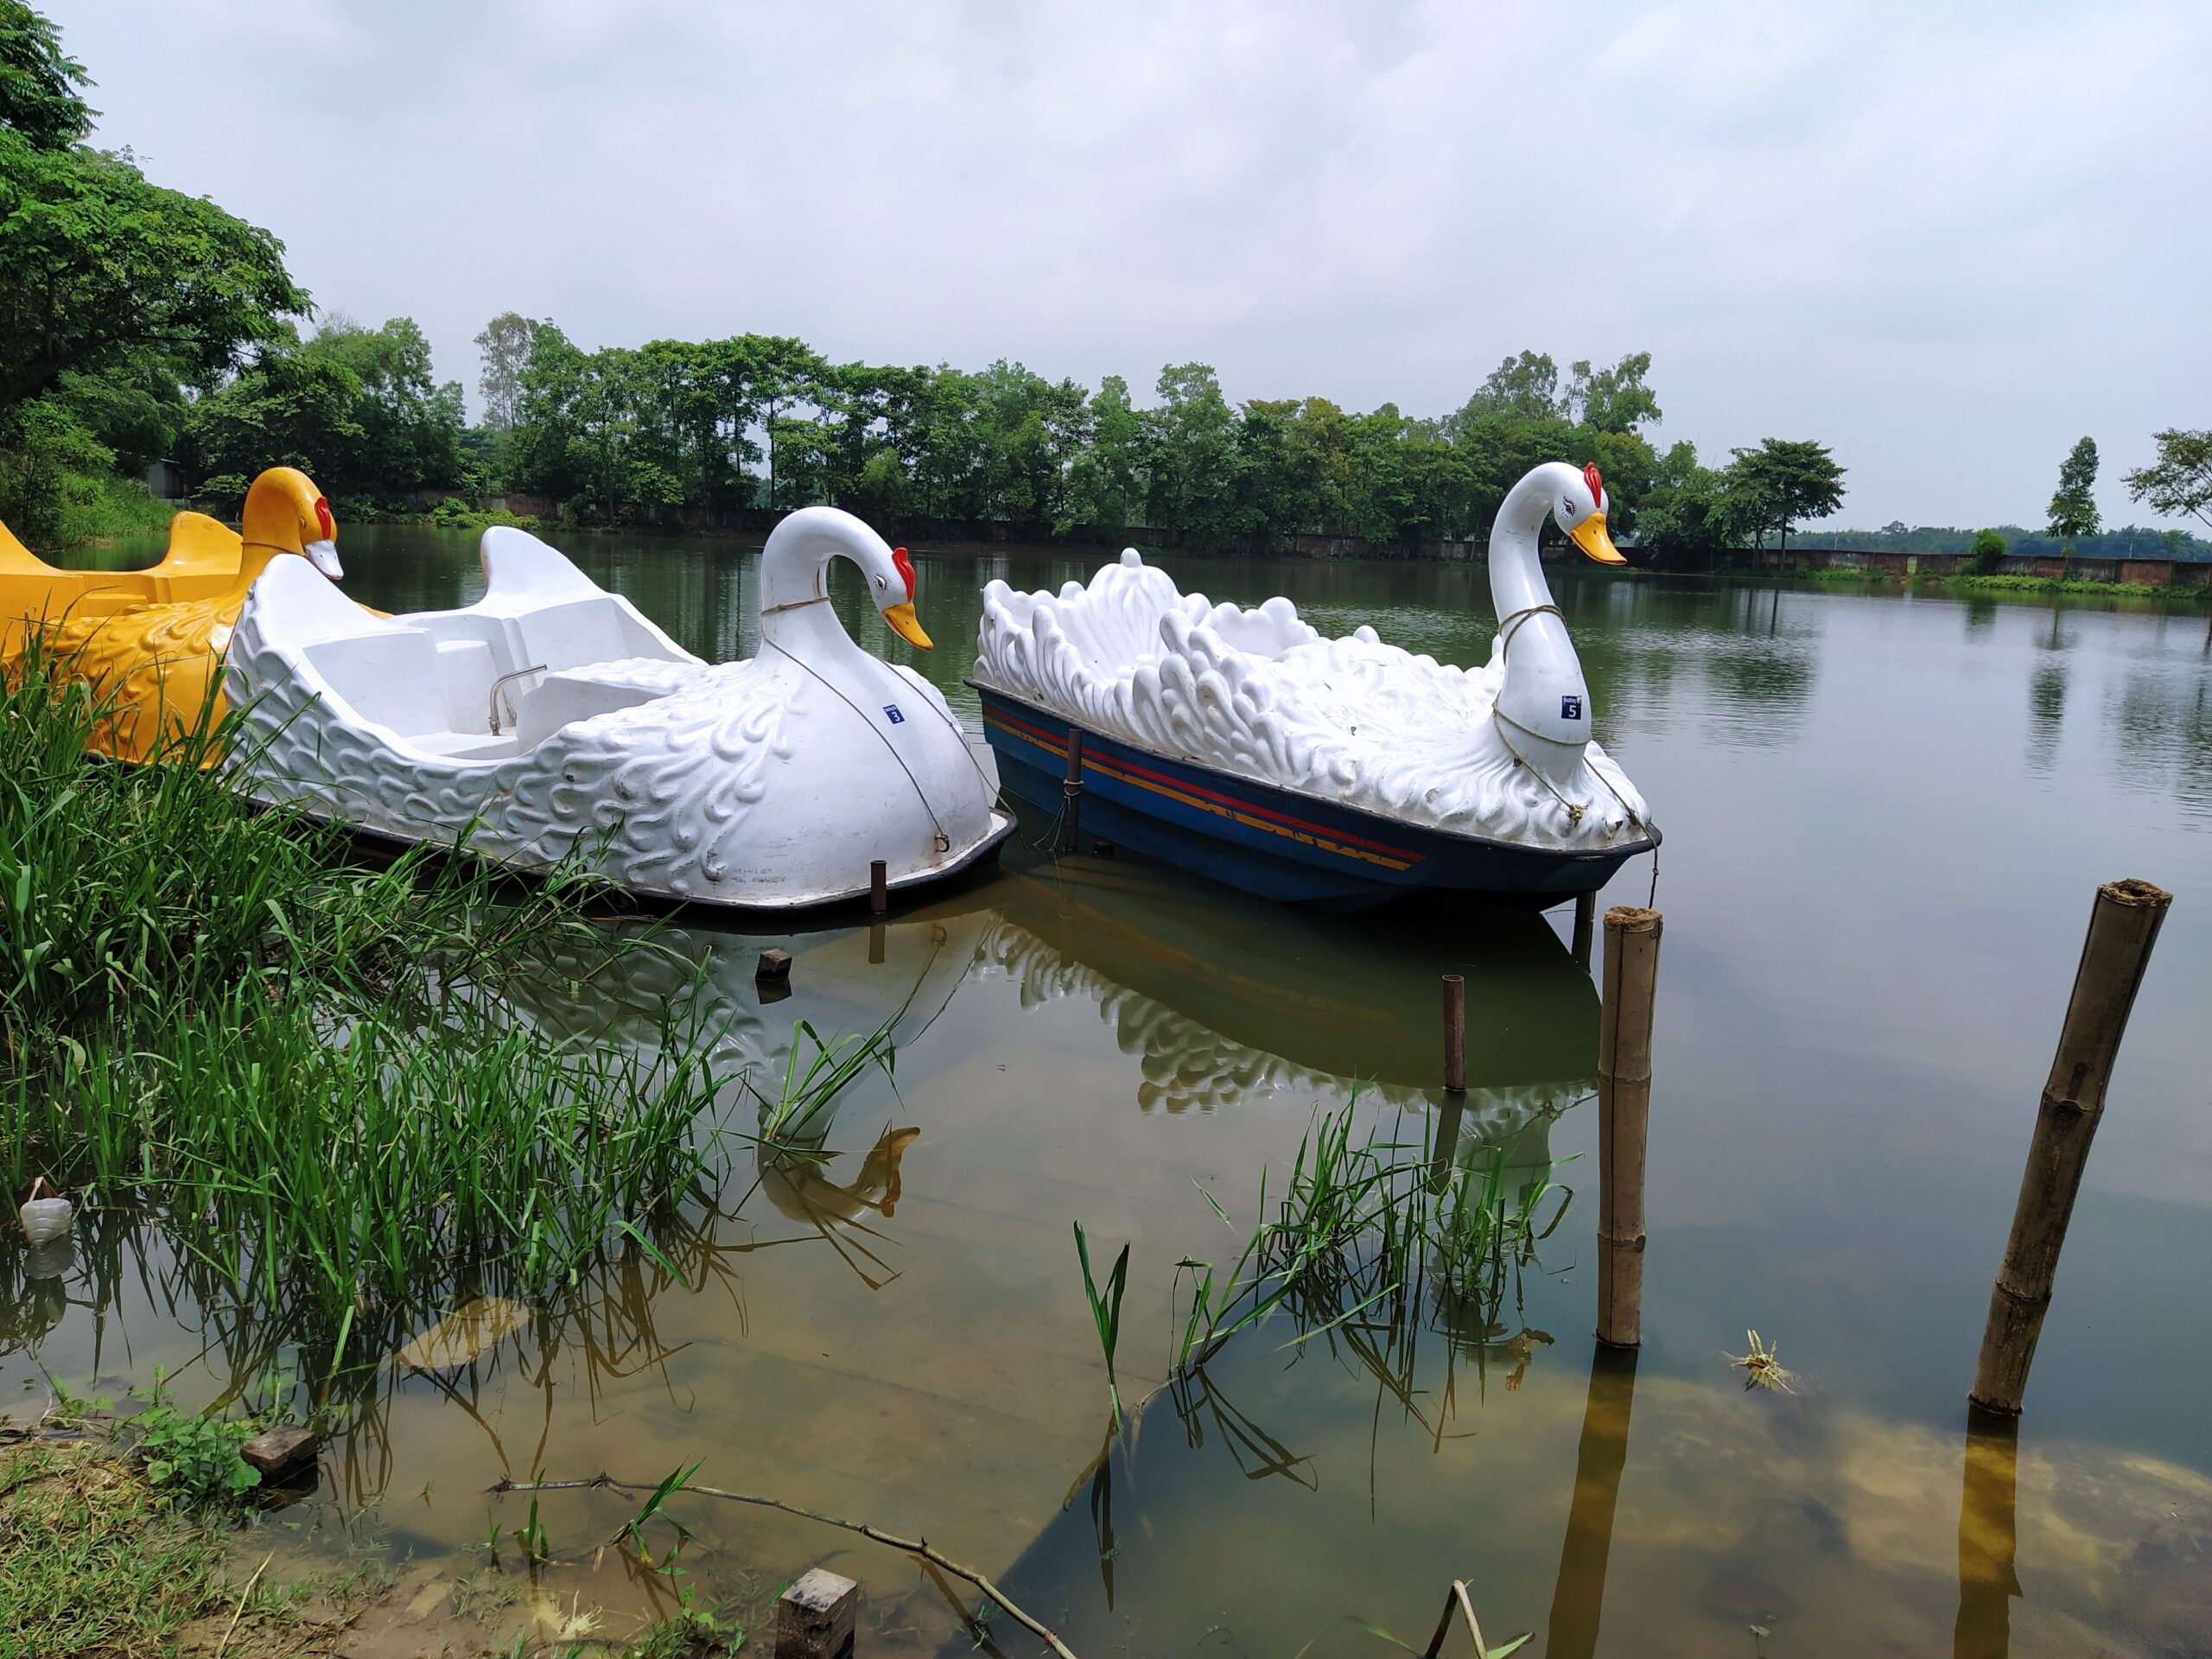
285 513
793 565
901 616
1579 509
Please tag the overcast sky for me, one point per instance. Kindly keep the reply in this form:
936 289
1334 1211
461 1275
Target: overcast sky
1947 240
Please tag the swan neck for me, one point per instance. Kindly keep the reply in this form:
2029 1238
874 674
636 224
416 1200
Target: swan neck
794 568
1517 574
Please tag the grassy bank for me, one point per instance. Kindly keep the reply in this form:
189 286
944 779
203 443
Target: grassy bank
2029 587
97 1559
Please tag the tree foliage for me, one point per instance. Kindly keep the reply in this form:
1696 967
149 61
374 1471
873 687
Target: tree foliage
356 408
2180 481
2073 509
40 86
762 421
504 348
1782 481
115 295
98 268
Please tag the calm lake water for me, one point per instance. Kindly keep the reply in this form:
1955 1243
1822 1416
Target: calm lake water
1885 819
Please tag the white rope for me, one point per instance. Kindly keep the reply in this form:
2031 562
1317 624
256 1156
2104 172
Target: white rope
1508 626
944 840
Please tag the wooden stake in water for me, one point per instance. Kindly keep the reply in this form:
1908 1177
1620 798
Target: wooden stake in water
1455 1033
1071 794
1632 978
879 887
2123 926
815 1616
1585 917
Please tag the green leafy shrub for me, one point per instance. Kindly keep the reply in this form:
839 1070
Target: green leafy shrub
1989 552
193 1456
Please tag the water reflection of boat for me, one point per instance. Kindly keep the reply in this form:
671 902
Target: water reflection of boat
1238 998
697 982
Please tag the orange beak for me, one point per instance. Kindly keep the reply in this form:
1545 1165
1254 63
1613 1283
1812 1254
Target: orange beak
907 625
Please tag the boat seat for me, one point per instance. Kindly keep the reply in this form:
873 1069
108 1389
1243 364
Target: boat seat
579 631
390 676
573 694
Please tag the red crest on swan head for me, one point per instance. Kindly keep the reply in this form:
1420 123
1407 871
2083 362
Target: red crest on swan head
322 518
900 557
1597 484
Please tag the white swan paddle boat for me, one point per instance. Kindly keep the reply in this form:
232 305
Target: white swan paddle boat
552 722
1246 746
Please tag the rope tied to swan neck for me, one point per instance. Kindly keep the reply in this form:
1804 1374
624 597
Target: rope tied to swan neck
1508 626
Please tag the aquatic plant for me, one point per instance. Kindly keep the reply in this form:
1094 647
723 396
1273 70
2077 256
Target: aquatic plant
788 1121
1106 1315
1368 1222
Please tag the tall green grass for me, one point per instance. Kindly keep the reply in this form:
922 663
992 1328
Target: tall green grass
300 1063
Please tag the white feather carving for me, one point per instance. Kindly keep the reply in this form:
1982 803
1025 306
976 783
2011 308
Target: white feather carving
1263 694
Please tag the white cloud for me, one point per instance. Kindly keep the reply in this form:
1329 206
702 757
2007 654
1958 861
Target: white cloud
1945 240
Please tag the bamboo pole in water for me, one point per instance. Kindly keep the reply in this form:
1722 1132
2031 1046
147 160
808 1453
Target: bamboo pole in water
879 887
1988 1538
1632 976
1455 1033
1071 794
2123 926
1585 914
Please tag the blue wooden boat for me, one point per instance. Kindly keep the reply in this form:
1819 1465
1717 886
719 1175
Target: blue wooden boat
1271 842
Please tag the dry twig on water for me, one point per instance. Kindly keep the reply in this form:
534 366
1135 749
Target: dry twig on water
1762 1370
909 1546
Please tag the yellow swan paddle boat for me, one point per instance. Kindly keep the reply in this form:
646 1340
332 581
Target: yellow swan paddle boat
154 639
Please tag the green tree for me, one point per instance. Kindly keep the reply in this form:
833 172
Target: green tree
505 348
98 267
1685 514
2074 506
1989 552
1527 386
1106 480
357 408
39 82
2180 481
1613 400
1192 450
1782 481
114 293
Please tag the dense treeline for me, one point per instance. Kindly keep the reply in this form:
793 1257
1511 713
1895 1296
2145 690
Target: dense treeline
624 435
2126 542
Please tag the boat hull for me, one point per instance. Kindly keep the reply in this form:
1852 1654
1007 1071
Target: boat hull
1292 848
952 870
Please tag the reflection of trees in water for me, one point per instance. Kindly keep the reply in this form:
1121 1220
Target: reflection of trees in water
1755 648
2161 726
2046 711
